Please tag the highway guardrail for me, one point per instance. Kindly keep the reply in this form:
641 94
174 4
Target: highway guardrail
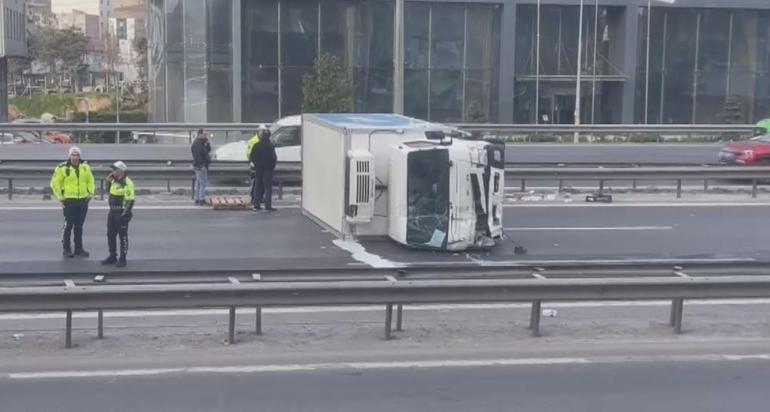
291 173
389 290
641 133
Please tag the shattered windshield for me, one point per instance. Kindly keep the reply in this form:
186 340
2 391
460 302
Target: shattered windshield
428 198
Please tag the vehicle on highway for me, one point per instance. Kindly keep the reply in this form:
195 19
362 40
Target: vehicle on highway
49 136
286 137
21 138
755 151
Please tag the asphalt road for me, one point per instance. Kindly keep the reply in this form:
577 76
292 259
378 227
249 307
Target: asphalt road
190 238
669 154
628 387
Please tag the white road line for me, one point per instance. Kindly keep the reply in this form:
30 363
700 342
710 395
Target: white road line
589 228
638 204
138 207
530 263
343 309
432 364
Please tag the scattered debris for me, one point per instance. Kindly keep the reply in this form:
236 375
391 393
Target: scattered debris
229 203
550 313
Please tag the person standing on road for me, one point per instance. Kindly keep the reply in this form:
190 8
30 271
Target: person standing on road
122 195
73 185
201 149
249 146
264 158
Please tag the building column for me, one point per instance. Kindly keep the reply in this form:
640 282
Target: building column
630 56
507 63
237 50
398 57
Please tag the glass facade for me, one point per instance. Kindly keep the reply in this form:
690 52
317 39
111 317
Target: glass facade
281 40
546 65
190 53
451 61
702 65
705 66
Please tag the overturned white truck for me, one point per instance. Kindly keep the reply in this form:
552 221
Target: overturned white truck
422 184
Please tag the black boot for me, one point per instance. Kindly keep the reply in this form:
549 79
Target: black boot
111 260
121 261
82 253
67 252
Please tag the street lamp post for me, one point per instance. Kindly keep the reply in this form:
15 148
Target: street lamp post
579 73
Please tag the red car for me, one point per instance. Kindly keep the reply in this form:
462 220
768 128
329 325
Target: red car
748 152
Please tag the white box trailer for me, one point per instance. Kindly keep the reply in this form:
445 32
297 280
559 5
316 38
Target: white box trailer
424 185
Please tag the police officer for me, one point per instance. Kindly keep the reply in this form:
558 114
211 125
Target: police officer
264 159
252 173
73 185
122 195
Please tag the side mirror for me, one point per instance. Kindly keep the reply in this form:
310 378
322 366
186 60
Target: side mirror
434 135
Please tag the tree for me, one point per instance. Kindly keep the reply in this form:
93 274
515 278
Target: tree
111 56
328 88
72 47
140 47
62 51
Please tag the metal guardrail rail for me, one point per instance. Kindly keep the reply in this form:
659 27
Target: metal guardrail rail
608 128
290 173
389 290
513 128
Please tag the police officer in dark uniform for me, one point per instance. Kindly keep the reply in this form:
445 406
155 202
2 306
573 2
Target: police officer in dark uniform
122 195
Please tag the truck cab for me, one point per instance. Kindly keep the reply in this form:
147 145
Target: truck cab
424 185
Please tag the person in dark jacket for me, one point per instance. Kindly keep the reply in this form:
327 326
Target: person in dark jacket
264 159
201 147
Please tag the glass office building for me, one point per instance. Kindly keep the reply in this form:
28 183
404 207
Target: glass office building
510 61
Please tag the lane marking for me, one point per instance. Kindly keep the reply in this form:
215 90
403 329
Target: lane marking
358 252
589 228
427 364
138 207
682 274
342 309
640 204
538 276
530 263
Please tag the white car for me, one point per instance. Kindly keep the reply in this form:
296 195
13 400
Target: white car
286 136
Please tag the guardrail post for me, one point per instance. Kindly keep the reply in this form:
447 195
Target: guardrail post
100 324
400 318
68 331
523 185
561 185
754 189
101 189
168 186
677 310
534 318
388 320
258 322
280 189
633 184
678 188
231 327
705 185
601 186
192 189
10 189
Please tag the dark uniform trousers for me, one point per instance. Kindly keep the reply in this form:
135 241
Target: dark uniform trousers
117 227
75 211
264 188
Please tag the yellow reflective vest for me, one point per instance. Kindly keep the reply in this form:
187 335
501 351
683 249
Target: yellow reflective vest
250 145
71 182
124 189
